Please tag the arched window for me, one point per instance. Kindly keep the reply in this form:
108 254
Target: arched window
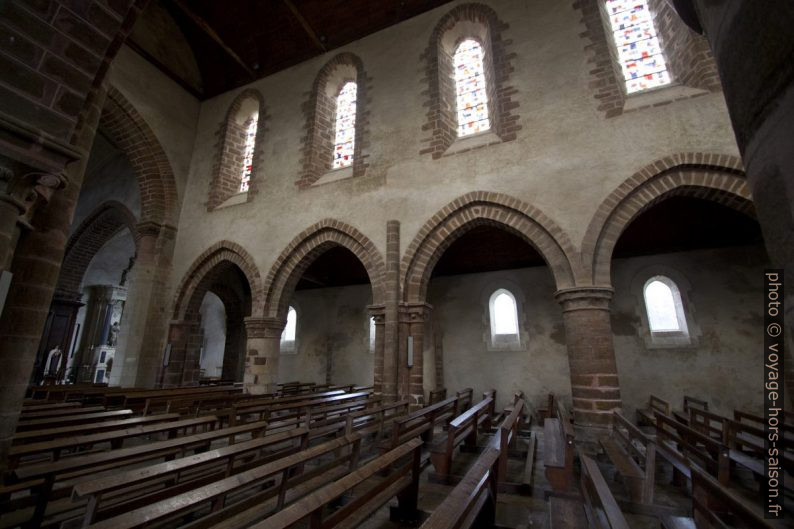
248 152
344 142
664 306
503 313
371 334
288 335
470 90
638 49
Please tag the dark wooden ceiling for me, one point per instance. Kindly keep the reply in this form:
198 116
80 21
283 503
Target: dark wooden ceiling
237 41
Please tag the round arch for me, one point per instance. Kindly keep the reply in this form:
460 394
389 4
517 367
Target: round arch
485 208
197 277
309 245
719 178
108 219
128 131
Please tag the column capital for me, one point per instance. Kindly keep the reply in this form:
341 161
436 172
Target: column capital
414 312
378 312
584 298
264 327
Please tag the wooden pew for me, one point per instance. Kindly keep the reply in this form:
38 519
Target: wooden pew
465 399
72 420
276 492
180 475
402 482
655 404
690 403
549 411
136 400
420 422
284 410
55 447
558 449
472 503
437 395
681 444
507 432
635 465
32 436
716 507
57 412
758 421
599 506
44 405
462 428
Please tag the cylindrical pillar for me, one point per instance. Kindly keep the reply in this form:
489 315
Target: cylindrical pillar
391 347
261 358
591 355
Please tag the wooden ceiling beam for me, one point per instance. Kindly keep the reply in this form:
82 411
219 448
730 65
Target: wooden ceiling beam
204 26
305 24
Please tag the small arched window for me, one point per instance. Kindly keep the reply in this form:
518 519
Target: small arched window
503 313
344 142
638 49
664 307
371 334
470 90
288 335
248 152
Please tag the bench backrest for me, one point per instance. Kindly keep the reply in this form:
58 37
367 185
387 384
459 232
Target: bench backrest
437 395
660 405
693 402
473 501
565 422
709 453
465 398
508 433
604 510
421 421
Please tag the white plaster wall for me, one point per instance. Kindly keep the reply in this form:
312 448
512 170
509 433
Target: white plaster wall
460 305
335 319
166 107
724 364
566 160
213 324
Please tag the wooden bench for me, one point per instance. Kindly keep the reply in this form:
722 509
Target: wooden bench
437 395
787 427
558 449
645 416
420 422
180 475
716 507
402 482
26 416
472 503
282 410
599 506
32 436
462 429
283 480
54 448
681 445
73 420
549 411
465 398
634 455
507 432
690 403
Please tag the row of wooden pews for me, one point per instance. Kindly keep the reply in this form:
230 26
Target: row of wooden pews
226 460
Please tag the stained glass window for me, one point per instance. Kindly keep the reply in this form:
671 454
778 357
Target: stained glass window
248 152
639 51
345 126
472 99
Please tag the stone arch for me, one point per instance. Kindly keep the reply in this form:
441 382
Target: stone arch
305 248
320 112
127 130
484 208
97 229
196 278
225 181
715 177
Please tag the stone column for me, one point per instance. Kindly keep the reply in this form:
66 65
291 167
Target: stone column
391 330
413 317
143 328
591 355
261 359
36 266
752 43
377 312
